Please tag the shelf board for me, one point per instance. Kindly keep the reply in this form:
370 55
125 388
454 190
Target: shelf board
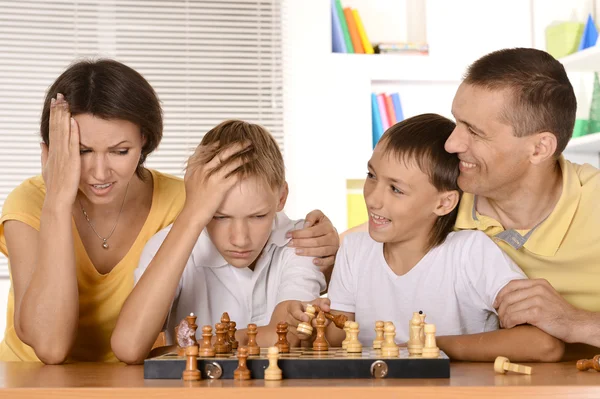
399 67
590 143
587 60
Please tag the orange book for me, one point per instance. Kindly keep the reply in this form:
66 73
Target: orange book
389 106
353 30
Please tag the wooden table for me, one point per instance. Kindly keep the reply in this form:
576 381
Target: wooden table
468 380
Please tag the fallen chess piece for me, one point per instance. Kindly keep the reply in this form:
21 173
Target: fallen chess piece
502 365
338 320
589 364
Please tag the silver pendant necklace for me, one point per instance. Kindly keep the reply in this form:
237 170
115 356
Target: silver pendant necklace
105 240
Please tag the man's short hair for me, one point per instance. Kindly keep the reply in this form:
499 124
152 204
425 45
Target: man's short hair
543 99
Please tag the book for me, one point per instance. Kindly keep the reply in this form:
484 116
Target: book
397 107
354 36
385 122
389 107
338 44
376 119
362 33
344 26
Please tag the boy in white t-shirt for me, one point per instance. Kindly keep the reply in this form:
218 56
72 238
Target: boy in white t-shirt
226 252
410 260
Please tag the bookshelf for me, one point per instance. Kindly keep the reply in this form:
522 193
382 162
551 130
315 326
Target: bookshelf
587 60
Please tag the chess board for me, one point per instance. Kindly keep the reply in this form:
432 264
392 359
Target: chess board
306 363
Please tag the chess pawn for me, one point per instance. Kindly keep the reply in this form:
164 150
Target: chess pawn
273 372
282 343
378 335
221 344
389 347
354 345
304 329
320 343
589 364
191 372
430 350
242 372
253 348
206 349
347 338
502 365
414 344
231 335
225 320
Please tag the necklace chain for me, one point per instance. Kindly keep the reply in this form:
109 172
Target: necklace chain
104 240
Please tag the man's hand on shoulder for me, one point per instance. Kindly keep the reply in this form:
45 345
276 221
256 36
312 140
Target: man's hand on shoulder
537 303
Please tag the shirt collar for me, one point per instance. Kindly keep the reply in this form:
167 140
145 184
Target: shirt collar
546 238
205 254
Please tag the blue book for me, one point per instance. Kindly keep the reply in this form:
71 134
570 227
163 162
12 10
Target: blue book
590 34
377 125
338 45
397 107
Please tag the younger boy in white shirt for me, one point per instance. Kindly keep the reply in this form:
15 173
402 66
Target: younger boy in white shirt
226 252
410 260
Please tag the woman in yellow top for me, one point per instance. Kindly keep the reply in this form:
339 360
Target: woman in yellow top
74 235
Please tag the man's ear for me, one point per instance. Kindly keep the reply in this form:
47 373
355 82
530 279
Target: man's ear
544 146
448 200
283 194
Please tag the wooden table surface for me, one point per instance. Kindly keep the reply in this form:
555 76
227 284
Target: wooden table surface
467 380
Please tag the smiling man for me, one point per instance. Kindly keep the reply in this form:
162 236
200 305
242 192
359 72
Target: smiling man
515 113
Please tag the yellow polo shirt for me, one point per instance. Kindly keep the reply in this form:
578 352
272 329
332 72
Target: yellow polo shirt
563 249
101 296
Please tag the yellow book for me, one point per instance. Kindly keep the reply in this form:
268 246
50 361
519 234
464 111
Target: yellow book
357 210
361 31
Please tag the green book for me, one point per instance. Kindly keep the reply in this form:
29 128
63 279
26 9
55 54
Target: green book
340 10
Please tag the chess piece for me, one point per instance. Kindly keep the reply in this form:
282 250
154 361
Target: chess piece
273 372
242 372
414 344
388 346
282 343
225 321
231 335
191 372
206 349
354 345
221 344
430 350
502 365
253 348
339 320
320 343
589 364
378 335
422 317
347 338
186 334
304 329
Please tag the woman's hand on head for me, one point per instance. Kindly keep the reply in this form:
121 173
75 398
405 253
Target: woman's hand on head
61 161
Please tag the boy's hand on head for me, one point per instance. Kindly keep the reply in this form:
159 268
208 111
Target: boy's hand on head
318 238
209 176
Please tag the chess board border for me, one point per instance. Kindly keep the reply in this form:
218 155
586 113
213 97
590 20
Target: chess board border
306 364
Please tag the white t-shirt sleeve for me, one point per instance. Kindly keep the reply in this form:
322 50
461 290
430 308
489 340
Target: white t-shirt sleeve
149 252
342 287
485 268
301 280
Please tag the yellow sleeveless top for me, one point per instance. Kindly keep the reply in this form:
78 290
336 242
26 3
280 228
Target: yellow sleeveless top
100 296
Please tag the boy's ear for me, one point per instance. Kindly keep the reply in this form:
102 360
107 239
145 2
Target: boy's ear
447 202
283 194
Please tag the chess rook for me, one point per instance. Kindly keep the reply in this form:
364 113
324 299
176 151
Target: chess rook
589 364
206 349
282 343
242 372
273 372
253 348
502 365
304 329
430 350
191 372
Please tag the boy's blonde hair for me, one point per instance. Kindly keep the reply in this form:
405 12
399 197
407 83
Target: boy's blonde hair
261 159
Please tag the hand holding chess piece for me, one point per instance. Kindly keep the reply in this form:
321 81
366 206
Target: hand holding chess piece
589 364
305 329
502 365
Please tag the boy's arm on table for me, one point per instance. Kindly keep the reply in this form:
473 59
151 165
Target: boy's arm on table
519 344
